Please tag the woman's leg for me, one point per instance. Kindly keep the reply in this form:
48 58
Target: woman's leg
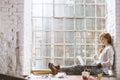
72 70
78 69
94 70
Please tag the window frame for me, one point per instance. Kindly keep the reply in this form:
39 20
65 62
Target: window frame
74 18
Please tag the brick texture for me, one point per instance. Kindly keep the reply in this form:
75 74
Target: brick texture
117 37
113 27
11 31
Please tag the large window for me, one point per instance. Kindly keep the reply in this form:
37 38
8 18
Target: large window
64 29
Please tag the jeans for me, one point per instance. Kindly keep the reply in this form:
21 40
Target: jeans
78 69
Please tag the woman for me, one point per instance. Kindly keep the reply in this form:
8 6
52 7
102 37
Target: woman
103 60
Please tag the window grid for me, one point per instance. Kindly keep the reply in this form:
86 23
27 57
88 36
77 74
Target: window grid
66 59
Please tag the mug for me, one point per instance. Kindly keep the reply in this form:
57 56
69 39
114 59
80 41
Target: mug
110 72
85 75
99 76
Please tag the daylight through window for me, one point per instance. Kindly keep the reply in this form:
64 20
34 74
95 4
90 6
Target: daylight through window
64 29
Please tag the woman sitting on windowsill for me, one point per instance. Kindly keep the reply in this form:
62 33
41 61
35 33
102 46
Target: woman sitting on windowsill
103 60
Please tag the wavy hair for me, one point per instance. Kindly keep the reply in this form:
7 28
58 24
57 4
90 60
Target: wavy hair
109 40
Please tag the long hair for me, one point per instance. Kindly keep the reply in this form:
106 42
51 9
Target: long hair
109 40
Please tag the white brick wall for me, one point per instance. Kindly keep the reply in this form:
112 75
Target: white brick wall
118 37
11 22
113 26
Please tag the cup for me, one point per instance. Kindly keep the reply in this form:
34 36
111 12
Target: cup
99 76
85 75
110 72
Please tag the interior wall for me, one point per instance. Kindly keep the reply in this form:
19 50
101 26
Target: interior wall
113 27
11 39
117 38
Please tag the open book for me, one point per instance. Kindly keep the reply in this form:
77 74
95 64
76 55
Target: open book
80 60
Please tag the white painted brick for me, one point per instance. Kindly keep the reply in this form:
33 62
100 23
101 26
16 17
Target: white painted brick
8 20
12 9
5 13
114 28
20 2
4 9
14 1
20 8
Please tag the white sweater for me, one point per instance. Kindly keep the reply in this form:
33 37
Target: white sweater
106 58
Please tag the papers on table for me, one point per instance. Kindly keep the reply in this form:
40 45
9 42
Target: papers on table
47 77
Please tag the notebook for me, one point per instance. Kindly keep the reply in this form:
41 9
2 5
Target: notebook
80 60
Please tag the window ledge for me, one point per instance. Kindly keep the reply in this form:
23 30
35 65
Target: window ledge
40 71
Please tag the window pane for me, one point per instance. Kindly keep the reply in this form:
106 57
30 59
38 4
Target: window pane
100 24
90 10
45 63
69 24
38 39
90 24
59 1
69 10
97 39
89 61
47 37
58 24
90 36
100 10
37 10
47 50
71 2
69 62
59 61
37 23
100 1
69 51
90 50
80 37
38 64
39 51
59 37
37 1
47 1
79 24
38 42
69 37
79 10
59 10
80 50
79 1
58 50
46 23
90 1
47 10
